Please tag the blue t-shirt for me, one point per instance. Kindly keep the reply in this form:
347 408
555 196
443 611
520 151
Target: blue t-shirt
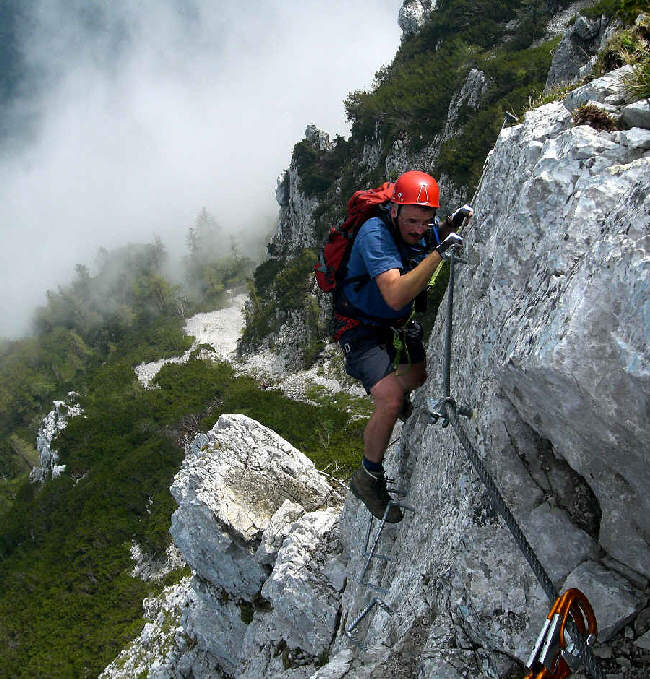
374 251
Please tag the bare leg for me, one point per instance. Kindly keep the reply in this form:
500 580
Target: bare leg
388 395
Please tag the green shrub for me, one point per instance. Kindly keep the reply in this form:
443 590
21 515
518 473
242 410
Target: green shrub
64 546
630 46
596 117
319 168
637 84
278 287
626 10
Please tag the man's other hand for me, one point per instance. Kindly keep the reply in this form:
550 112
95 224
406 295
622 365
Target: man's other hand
452 239
460 215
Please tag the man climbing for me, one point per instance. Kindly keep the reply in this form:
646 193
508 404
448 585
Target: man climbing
390 264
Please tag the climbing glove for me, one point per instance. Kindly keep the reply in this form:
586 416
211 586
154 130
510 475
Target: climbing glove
457 218
452 239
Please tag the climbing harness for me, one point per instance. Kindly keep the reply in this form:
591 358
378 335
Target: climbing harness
400 345
446 410
555 654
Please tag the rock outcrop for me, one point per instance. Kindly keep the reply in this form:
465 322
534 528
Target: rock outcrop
296 228
53 423
259 526
550 350
575 56
413 14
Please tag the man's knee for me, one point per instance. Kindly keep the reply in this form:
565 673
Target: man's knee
412 376
388 395
420 376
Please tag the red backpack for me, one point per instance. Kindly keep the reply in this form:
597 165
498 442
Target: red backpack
333 258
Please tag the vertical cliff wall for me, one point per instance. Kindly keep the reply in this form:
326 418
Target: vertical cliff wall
550 349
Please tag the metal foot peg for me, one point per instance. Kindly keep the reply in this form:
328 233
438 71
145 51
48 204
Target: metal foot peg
350 629
438 410
370 554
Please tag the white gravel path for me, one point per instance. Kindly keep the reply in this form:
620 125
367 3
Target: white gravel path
221 329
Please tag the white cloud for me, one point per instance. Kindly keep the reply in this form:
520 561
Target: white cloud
148 113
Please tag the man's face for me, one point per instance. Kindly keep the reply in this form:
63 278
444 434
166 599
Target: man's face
413 221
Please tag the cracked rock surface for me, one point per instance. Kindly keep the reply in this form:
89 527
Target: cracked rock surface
550 349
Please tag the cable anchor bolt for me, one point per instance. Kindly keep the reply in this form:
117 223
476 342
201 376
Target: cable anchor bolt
438 410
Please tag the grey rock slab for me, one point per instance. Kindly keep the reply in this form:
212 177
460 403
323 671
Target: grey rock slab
586 29
636 138
337 667
215 624
558 543
614 600
302 589
637 114
212 552
608 89
231 484
277 530
643 641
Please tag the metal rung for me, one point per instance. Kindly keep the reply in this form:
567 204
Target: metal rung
403 506
350 629
372 585
370 553
383 557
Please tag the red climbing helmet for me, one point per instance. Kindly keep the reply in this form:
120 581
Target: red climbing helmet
416 188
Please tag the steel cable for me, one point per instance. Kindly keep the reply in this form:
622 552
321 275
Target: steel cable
496 499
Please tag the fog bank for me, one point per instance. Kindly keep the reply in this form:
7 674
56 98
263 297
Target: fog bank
146 112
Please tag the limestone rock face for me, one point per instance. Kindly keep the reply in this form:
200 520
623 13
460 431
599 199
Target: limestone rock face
550 350
571 343
413 14
637 114
53 423
296 222
259 527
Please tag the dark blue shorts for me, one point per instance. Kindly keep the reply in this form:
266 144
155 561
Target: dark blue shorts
370 351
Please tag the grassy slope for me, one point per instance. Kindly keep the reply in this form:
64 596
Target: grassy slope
67 602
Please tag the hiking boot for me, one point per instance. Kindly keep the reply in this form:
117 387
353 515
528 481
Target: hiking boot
407 408
370 488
